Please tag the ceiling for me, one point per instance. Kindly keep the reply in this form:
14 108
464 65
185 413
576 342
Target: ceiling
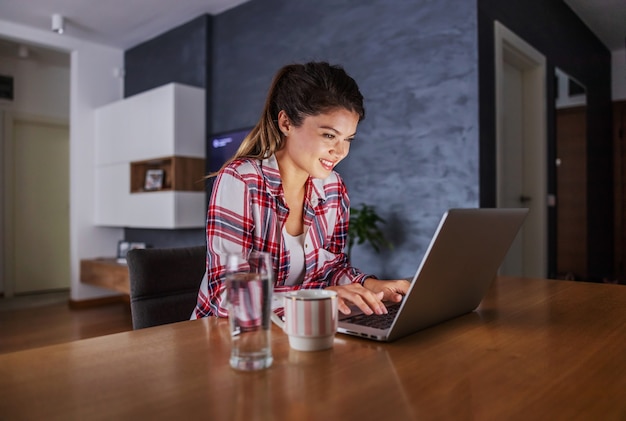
606 18
117 23
126 23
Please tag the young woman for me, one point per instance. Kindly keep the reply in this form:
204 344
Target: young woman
279 194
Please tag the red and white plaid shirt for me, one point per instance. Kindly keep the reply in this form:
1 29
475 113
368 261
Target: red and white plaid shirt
247 211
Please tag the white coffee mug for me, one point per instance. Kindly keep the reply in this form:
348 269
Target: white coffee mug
310 319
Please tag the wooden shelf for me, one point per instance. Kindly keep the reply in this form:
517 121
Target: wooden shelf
179 174
106 273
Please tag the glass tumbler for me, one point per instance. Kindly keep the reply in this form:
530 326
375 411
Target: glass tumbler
249 284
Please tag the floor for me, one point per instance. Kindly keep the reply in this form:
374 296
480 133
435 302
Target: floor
37 320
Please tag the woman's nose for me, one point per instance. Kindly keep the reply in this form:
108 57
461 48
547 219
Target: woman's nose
341 148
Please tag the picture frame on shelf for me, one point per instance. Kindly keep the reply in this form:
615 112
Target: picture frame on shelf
154 179
123 247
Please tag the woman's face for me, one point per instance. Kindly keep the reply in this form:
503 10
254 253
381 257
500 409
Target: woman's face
320 143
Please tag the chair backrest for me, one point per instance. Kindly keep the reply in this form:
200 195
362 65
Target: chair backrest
164 284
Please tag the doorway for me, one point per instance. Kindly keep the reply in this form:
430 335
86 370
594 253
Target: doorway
36 206
521 148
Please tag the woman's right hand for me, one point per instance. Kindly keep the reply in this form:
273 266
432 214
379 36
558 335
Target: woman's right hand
366 300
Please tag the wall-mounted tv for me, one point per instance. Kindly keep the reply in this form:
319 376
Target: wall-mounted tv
219 148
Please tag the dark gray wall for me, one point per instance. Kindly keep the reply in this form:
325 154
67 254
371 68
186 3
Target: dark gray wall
552 28
416 61
416 153
180 55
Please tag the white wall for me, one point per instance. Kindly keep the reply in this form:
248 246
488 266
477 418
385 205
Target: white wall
92 84
564 99
39 90
618 72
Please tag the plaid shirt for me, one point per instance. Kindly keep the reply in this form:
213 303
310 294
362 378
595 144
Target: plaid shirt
247 211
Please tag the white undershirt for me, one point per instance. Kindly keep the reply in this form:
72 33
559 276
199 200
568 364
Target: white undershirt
295 246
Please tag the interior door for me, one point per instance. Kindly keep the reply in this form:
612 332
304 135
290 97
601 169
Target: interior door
521 149
40 206
571 193
511 161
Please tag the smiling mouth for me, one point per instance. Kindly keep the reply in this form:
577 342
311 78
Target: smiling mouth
327 164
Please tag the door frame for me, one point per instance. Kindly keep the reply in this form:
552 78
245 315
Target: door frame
8 234
513 50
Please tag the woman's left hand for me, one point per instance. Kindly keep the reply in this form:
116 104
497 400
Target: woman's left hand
393 290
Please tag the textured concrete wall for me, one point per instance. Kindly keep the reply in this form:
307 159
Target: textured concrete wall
416 153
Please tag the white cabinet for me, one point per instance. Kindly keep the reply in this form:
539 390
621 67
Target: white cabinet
162 128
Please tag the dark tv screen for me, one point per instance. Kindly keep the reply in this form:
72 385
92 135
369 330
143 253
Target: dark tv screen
221 147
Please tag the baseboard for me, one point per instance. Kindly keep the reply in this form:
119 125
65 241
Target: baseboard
95 302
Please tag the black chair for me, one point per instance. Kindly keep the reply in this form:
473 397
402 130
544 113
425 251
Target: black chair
164 284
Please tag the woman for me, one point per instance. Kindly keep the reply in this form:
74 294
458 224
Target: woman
279 194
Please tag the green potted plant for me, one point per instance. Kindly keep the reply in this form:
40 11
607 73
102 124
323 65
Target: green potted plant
364 229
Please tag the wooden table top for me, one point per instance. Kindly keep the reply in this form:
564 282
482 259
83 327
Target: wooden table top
535 349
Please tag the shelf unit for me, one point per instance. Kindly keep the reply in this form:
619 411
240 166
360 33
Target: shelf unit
179 173
163 128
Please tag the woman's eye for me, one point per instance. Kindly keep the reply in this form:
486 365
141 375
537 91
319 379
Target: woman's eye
329 136
350 139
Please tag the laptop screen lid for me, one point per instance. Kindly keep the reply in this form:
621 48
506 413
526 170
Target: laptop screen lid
455 273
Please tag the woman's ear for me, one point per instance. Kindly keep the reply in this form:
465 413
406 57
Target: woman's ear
284 124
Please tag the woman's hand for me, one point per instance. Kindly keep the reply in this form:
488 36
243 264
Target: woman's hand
366 300
392 290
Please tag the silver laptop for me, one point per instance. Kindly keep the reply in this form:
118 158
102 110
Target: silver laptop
460 263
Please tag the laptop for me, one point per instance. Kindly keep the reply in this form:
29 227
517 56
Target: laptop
456 271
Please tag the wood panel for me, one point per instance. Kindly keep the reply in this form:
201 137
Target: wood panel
571 193
106 273
188 174
180 173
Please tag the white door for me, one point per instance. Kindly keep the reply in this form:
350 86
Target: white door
511 161
40 206
521 149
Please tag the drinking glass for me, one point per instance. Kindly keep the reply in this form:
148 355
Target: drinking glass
249 283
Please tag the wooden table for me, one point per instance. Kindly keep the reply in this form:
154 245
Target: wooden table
535 350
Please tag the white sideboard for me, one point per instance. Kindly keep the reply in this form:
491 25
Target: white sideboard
156 125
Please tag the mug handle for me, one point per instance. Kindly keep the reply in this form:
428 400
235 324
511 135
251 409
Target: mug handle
277 320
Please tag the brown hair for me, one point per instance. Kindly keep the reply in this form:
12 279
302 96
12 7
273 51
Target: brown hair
300 90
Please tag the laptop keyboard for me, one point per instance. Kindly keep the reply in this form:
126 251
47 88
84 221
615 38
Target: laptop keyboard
376 321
